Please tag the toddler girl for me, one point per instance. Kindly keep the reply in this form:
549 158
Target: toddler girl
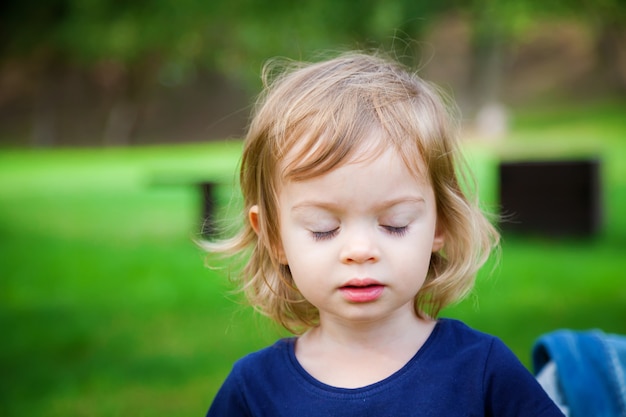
358 233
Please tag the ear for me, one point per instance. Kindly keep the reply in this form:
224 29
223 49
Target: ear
253 217
439 238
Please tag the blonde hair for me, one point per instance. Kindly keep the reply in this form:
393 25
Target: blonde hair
320 114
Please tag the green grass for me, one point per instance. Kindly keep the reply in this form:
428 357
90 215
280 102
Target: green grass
106 308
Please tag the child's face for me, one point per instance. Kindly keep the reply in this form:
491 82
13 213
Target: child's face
358 239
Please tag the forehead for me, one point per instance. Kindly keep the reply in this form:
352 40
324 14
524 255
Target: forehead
370 182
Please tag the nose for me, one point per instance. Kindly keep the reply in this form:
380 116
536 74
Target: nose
359 247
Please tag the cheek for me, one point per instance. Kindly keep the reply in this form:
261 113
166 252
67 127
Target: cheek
306 261
305 272
415 257
302 258
295 248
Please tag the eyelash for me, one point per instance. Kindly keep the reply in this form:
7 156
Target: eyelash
397 231
325 235
393 230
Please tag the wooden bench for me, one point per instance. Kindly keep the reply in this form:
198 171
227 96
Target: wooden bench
553 197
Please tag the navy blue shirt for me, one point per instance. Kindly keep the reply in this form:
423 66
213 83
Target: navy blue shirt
457 372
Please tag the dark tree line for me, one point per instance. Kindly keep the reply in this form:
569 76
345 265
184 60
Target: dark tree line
133 45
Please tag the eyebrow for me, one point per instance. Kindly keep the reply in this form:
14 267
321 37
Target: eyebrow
331 206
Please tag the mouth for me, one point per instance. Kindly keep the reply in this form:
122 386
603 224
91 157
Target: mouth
362 291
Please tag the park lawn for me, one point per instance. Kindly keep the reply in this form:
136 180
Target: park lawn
107 309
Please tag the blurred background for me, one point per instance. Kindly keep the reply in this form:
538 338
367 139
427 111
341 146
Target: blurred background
120 121
103 72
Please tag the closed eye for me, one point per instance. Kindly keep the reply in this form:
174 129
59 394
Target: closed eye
325 235
396 230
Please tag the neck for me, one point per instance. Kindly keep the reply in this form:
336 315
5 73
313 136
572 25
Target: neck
335 351
382 333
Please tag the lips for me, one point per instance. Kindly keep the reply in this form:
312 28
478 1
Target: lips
362 290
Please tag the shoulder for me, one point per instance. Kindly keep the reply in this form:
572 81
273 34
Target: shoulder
457 336
252 381
269 358
255 370
462 338
481 347
456 348
507 386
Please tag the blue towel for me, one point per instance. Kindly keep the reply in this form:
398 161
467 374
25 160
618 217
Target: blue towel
590 370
